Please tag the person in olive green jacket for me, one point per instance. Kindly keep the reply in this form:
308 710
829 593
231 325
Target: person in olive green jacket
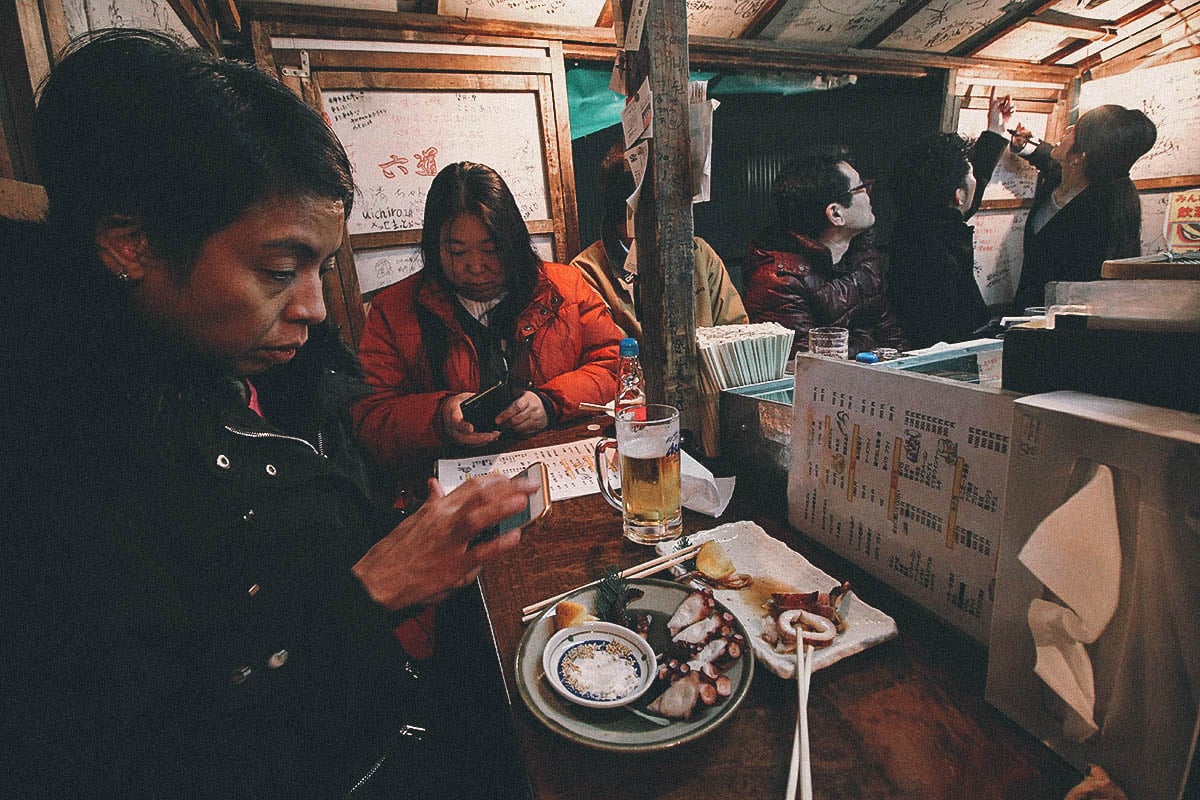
610 263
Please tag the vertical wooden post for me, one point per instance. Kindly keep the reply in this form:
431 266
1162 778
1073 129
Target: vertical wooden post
663 226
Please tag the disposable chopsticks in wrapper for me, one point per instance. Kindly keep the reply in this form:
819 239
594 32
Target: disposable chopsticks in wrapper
737 355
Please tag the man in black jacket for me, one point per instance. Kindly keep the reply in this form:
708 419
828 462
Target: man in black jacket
198 595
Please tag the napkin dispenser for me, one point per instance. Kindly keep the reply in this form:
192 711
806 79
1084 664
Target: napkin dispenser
1095 637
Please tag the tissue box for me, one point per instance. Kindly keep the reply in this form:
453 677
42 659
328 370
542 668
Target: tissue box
904 473
1145 664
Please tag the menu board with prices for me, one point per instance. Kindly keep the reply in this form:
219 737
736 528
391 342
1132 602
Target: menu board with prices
904 474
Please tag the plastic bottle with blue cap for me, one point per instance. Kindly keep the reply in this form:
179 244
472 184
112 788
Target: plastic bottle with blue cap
630 389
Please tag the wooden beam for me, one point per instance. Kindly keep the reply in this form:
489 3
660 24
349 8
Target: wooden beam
1138 13
1070 21
951 102
565 164
199 22
1061 53
596 44
763 18
228 16
1131 58
892 23
663 224
725 55
55 20
1000 27
1096 59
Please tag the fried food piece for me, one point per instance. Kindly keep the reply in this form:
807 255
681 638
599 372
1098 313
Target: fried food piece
568 613
713 562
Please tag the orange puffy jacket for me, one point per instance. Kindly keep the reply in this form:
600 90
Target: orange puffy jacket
569 352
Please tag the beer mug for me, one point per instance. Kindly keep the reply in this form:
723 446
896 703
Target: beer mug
648 499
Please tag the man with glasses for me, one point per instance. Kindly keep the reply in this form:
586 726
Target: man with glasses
820 267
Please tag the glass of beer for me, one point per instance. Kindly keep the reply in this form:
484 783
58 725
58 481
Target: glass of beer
648 496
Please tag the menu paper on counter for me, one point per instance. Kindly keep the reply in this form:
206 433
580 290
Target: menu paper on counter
905 475
571 467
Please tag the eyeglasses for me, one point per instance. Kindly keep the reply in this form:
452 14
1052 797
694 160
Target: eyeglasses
848 197
865 186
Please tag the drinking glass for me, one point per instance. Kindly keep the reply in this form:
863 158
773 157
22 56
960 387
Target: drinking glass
648 498
829 342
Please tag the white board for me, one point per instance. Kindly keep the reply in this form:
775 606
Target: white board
156 15
1034 41
1098 9
1170 96
548 12
999 250
1014 177
829 23
1154 221
399 140
941 26
726 19
385 266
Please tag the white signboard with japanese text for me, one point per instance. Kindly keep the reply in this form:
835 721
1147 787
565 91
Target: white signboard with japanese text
904 474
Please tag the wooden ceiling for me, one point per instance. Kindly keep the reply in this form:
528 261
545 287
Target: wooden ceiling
1082 35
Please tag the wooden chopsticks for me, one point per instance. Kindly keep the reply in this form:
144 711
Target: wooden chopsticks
636 571
801 766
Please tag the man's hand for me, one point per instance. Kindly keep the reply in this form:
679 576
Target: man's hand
426 557
1096 785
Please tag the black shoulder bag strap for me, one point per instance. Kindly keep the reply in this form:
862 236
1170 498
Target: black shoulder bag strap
436 341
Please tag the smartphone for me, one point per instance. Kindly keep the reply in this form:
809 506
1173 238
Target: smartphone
536 506
482 408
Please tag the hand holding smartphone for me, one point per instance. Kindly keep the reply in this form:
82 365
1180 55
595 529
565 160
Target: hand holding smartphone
482 408
536 506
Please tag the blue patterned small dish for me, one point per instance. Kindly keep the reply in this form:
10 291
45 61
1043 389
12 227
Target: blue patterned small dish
599 664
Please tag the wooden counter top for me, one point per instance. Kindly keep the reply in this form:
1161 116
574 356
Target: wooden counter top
905 719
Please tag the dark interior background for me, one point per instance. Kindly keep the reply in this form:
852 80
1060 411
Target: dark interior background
753 135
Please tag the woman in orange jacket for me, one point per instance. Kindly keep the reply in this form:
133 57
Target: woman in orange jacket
485 310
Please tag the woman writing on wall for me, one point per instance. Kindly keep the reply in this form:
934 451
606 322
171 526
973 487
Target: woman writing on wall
198 595
1085 208
485 309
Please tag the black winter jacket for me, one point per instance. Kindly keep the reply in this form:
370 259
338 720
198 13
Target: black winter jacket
179 618
1077 240
931 282
931 276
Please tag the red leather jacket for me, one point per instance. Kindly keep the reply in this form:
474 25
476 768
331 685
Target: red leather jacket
793 282
568 353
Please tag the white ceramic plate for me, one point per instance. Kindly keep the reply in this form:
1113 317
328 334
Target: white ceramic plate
599 664
775 567
619 729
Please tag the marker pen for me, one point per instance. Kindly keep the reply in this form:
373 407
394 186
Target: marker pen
1032 139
